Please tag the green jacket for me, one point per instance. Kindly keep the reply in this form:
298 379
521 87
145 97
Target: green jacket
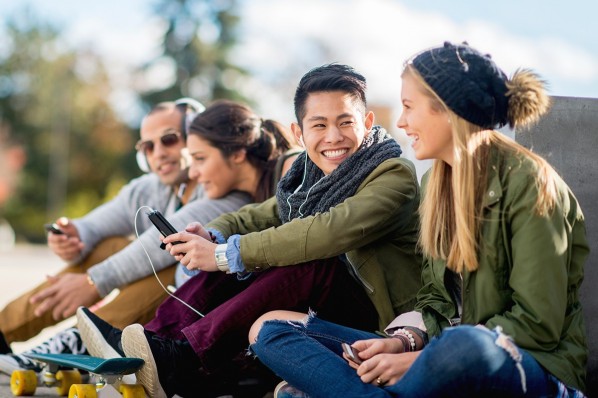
376 228
530 272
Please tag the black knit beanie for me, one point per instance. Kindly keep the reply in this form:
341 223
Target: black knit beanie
469 83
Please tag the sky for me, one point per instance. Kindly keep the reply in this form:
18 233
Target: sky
282 39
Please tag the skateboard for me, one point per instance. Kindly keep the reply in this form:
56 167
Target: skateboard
63 372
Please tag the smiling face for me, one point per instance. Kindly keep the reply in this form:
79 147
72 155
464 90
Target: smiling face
429 128
217 174
164 160
333 128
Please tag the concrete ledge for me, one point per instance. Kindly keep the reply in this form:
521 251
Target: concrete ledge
568 138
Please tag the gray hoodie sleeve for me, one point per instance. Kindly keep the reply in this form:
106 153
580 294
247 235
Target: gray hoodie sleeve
132 263
117 217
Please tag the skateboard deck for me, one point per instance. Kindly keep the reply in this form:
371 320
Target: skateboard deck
95 365
62 371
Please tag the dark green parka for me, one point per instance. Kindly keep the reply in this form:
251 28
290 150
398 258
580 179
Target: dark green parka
529 275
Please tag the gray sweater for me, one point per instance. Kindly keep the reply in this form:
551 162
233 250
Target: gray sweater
118 216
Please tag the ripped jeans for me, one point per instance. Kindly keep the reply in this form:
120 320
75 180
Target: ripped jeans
464 361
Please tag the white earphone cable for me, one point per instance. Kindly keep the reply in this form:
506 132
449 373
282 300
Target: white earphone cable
298 187
154 269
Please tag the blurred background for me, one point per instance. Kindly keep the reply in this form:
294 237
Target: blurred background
77 76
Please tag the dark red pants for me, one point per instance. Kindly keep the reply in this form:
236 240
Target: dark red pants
231 306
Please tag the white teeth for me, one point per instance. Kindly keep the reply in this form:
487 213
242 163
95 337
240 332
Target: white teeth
333 154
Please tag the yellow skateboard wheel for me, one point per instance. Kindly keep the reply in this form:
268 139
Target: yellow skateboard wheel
23 383
132 391
65 379
83 391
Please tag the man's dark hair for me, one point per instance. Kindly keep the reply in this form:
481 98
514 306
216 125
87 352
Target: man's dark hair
330 77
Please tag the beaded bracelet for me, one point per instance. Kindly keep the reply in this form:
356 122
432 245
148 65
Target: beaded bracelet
406 333
404 340
422 335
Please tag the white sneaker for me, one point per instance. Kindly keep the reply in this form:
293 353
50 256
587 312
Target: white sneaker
136 345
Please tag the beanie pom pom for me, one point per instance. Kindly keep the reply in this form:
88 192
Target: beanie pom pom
528 99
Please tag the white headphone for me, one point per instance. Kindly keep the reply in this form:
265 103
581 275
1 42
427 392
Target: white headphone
190 108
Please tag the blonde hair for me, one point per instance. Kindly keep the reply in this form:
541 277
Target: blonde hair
452 209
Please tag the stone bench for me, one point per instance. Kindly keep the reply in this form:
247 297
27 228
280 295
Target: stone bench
568 138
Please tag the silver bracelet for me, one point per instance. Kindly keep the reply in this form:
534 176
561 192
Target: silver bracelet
221 260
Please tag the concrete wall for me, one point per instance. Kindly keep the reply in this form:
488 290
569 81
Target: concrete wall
568 139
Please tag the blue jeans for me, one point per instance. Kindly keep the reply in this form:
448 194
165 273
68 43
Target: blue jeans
463 361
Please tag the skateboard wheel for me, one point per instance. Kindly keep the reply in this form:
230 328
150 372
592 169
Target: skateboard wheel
83 391
65 379
132 391
23 383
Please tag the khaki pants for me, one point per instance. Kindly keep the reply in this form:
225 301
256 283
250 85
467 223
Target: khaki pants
135 303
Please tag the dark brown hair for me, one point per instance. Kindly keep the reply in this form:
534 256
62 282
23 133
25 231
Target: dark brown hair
231 126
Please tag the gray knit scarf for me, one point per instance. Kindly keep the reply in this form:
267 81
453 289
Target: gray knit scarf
318 193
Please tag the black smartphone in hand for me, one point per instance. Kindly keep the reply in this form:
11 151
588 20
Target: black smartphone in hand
53 228
163 226
351 353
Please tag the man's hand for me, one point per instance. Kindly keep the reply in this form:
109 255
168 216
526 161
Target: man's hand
195 250
67 246
66 293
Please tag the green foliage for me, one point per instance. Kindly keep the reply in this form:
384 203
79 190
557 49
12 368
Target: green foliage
54 103
198 40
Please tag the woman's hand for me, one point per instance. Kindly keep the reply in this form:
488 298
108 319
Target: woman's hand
384 360
368 348
192 248
383 369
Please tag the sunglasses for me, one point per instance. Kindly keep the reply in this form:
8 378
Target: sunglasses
168 140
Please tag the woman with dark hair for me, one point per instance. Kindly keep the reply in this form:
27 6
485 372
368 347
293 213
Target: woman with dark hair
240 135
233 149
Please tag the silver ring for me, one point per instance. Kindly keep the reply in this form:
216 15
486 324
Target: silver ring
380 382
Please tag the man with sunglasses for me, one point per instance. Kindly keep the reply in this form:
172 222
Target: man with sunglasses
97 249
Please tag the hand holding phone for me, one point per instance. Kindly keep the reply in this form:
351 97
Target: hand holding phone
163 226
53 228
351 353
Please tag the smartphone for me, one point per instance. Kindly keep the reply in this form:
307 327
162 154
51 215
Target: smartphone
351 353
163 225
53 228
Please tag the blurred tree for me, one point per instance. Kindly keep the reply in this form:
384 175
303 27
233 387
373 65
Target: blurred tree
198 39
54 101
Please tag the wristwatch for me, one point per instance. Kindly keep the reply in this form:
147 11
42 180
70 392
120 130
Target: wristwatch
221 260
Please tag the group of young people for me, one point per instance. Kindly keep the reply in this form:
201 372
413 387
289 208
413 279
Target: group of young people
474 281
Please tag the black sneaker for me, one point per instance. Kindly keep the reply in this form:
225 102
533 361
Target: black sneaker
168 363
101 338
